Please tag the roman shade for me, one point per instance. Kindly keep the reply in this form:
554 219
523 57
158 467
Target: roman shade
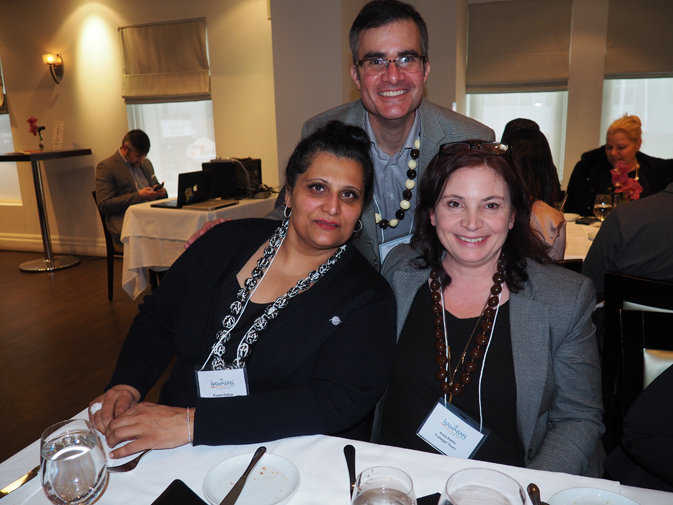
518 46
640 39
165 62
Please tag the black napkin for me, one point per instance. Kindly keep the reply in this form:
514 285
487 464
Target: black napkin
179 493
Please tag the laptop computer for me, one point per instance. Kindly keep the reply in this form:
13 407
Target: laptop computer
194 194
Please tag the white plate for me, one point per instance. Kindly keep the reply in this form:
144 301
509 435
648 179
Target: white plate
589 496
571 218
273 481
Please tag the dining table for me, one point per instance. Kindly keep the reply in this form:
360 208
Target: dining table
155 237
319 459
579 238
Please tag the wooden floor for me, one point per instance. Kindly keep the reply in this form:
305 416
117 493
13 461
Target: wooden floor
59 341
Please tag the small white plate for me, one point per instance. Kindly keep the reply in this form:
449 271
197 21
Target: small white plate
589 496
273 481
571 218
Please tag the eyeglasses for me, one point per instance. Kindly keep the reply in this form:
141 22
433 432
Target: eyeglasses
490 148
409 64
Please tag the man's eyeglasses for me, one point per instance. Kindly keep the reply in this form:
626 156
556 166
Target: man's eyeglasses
491 148
410 64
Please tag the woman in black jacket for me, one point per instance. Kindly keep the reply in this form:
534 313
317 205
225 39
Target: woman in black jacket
591 176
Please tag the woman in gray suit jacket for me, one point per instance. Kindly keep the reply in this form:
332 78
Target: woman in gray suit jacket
496 356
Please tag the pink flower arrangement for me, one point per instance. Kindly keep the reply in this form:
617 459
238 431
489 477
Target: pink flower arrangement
35 130
631 188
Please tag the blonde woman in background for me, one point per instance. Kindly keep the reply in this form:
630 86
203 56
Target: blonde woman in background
592 176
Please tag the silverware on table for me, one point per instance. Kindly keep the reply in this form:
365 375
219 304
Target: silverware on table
129 465
534 493
349 452
233 495
19 482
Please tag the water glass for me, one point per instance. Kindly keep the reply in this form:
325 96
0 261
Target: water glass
73 467
481 486
384 485
602 206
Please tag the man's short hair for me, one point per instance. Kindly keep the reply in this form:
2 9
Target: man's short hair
379 13
137 141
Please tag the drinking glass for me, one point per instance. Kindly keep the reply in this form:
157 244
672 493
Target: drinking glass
602 206
481 486
384 485
73 466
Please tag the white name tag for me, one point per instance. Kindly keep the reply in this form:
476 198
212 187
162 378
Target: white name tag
451 432
384 249
222 383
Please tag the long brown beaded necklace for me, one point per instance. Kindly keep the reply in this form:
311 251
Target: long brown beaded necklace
445 375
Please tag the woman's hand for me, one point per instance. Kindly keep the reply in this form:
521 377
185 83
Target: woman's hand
115 401
150 426
206 226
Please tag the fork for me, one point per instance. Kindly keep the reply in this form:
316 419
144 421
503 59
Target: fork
129 465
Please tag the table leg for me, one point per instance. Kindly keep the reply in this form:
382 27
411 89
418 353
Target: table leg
50 262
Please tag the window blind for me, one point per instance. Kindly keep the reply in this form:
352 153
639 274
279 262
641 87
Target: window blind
640 39
165 62
518 46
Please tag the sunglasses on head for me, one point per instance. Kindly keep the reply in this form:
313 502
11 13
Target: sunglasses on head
490 148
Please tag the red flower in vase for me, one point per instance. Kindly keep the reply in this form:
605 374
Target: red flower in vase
32 121
625 184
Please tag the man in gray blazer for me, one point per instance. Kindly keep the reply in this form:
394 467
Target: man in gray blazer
124 179
389 44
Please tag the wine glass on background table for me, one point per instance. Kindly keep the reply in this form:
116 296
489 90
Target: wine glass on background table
602 206
383 485
481 485
73 466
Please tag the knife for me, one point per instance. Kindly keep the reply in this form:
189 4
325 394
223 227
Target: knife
349 452
233 495
19 482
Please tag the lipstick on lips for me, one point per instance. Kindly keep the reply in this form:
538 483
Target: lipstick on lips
327 225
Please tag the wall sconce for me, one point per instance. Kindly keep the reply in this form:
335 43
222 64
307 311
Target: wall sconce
55 62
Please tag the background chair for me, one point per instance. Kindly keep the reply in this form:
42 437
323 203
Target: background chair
575 264
110 251
638 333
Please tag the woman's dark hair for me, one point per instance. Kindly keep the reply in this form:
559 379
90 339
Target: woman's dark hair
518 124
337 139
533 156
382 12
521 243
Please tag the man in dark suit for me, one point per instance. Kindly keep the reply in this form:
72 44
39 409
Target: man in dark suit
124 179
635 239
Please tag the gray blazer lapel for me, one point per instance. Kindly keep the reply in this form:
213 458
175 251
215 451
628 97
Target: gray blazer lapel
530 330
405 284
432 136
122 168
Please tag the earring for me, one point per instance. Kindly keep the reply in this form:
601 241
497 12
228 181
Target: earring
287 212
356 229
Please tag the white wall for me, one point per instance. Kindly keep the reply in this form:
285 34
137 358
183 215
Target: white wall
89 98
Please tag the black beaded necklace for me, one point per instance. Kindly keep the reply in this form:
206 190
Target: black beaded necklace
405 203
445 375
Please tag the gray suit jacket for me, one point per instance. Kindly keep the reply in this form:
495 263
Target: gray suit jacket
116 190
557 370
438 126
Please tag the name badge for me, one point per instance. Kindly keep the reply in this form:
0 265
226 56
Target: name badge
222 383
385 248
452 432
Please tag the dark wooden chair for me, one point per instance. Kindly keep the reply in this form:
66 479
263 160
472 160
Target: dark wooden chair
110 251
635 319
575 264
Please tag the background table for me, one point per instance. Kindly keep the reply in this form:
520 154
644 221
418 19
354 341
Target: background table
50 261
154 237
322 470
578 240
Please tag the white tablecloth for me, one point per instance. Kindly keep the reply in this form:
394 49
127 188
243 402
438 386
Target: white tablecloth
322 470
154 237
578 239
